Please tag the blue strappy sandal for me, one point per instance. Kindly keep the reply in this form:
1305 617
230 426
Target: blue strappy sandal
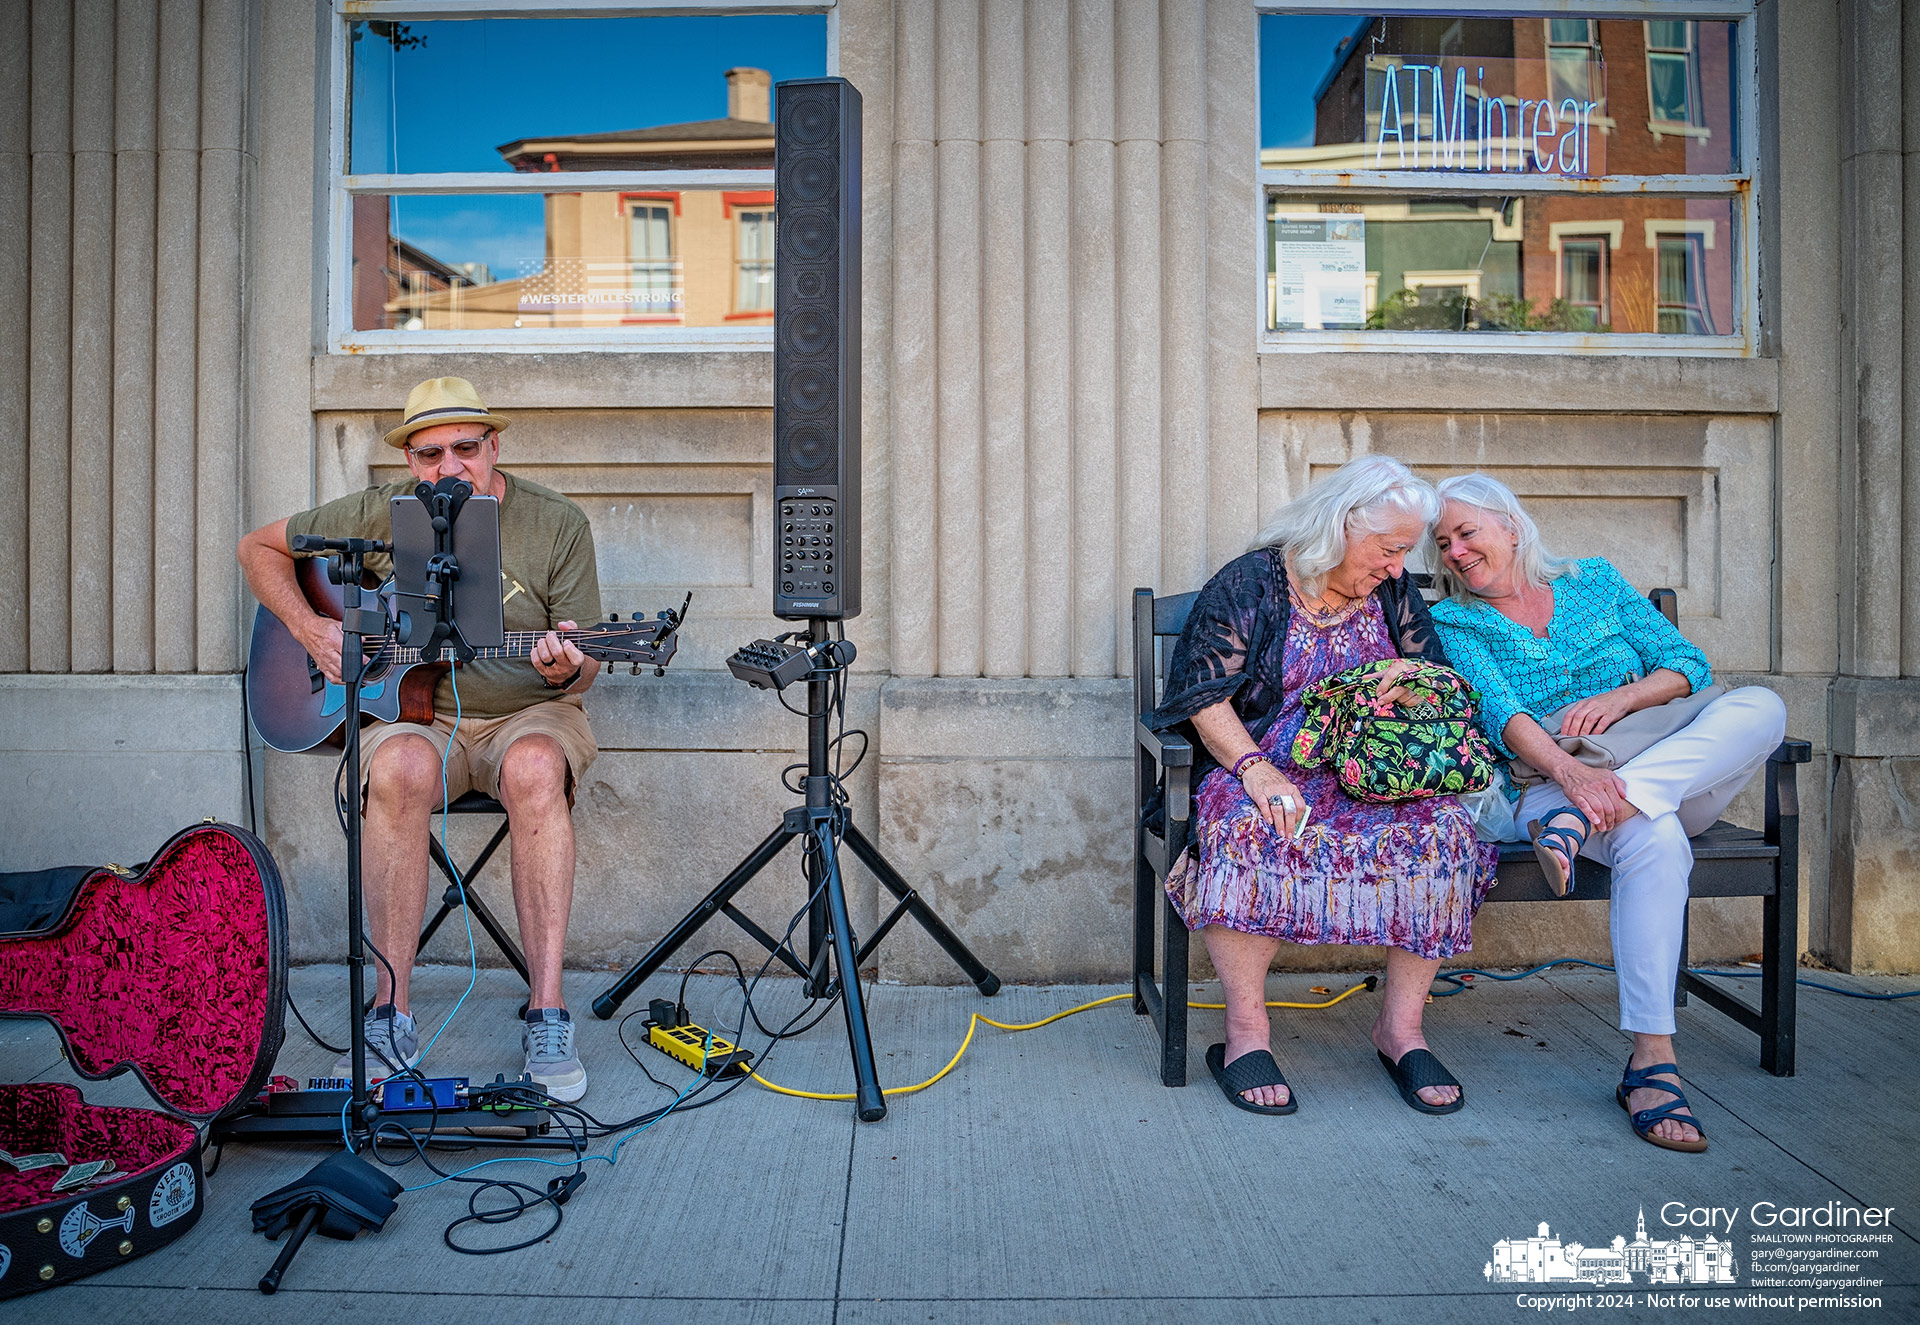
1641 1078
1566 840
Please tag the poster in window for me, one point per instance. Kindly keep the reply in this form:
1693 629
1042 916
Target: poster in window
1320 272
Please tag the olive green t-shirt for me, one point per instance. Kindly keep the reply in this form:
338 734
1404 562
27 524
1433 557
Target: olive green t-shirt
547 575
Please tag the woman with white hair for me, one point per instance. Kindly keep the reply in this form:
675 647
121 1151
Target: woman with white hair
1282 852
1562 648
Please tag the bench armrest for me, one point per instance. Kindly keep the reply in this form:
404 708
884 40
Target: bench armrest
1792 752
1167 749
1174 755
1783 793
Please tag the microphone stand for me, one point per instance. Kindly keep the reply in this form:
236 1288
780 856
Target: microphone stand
346 568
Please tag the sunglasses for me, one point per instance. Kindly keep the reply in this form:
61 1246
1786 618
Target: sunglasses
466 449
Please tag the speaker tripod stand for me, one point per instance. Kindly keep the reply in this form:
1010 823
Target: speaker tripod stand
824 821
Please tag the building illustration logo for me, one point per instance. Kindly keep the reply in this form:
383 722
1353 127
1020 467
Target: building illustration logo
1545 1259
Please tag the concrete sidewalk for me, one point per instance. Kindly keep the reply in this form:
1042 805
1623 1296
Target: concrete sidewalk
1050 1178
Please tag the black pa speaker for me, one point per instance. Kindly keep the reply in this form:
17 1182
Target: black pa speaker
816 349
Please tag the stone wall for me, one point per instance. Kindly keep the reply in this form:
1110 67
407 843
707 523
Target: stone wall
1063 397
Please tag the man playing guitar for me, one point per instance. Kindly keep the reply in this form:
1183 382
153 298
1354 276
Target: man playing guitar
522 734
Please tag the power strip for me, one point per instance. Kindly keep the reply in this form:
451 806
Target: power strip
700 1049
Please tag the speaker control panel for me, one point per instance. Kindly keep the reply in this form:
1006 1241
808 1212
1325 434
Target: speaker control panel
810 538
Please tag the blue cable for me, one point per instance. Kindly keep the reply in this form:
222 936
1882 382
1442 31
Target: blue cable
610 1160
1459 986
466 913
1815 984
705 1049
506 1159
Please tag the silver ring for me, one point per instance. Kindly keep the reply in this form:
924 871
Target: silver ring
1284 802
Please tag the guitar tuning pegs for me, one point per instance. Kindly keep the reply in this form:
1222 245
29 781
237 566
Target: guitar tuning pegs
659 671
614 617
633 669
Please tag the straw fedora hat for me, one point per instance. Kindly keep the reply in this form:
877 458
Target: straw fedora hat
441 400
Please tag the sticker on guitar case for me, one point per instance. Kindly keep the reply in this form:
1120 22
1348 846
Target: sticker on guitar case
6 1260
82 1226
172 1196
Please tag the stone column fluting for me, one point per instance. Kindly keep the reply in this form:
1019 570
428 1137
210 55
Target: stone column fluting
1874 833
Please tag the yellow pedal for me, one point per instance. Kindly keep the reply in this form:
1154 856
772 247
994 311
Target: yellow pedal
700 1050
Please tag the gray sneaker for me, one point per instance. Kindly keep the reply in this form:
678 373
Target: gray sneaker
547 1038
392 1044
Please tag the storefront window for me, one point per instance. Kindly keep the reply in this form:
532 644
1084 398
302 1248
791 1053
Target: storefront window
1573 175
454 134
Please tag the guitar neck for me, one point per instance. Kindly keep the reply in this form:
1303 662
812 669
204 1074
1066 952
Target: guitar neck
519 645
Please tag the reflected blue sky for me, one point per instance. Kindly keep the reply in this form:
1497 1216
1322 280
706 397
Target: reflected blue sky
455 91
1296 52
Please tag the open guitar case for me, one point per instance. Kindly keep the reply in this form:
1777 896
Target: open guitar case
176 972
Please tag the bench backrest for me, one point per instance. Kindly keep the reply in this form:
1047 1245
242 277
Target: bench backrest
1157 623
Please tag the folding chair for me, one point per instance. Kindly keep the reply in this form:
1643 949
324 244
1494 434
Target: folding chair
473 802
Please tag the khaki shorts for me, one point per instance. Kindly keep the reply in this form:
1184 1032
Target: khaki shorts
474 762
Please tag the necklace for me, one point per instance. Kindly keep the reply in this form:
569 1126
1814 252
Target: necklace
1324 605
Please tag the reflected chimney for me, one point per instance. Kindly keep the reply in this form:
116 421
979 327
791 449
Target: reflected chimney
750 95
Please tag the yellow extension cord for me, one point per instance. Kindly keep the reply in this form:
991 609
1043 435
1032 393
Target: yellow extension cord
974 1023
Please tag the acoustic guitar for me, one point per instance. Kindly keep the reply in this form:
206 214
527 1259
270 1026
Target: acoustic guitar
294 707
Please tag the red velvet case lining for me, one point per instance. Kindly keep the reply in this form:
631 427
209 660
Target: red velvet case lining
168 972
51 1116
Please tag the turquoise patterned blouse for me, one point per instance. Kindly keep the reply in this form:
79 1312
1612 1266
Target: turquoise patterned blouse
1604 633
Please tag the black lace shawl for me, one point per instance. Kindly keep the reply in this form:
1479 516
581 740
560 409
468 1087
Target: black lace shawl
1235 645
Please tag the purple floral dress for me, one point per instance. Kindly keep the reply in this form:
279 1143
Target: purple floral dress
1410 875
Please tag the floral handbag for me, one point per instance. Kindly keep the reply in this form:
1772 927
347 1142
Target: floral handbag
1424 746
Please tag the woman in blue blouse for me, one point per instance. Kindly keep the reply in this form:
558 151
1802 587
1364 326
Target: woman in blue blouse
1569 647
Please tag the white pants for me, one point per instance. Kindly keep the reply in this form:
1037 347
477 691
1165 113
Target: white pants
1680 786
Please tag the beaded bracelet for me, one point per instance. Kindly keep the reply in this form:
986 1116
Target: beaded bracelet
1250 757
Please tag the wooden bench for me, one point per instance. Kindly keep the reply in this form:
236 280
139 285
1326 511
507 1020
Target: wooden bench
1728 862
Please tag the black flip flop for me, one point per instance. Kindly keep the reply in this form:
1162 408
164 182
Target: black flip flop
1417 1070
1249 1072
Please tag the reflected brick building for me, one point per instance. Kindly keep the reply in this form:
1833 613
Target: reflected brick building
1608 262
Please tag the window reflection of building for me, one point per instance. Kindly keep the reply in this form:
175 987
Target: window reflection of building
653 275
691 257
395 283
753 269
1683 310
1572 51
1430 262
1672 71
684 249
1665 107
1583 279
